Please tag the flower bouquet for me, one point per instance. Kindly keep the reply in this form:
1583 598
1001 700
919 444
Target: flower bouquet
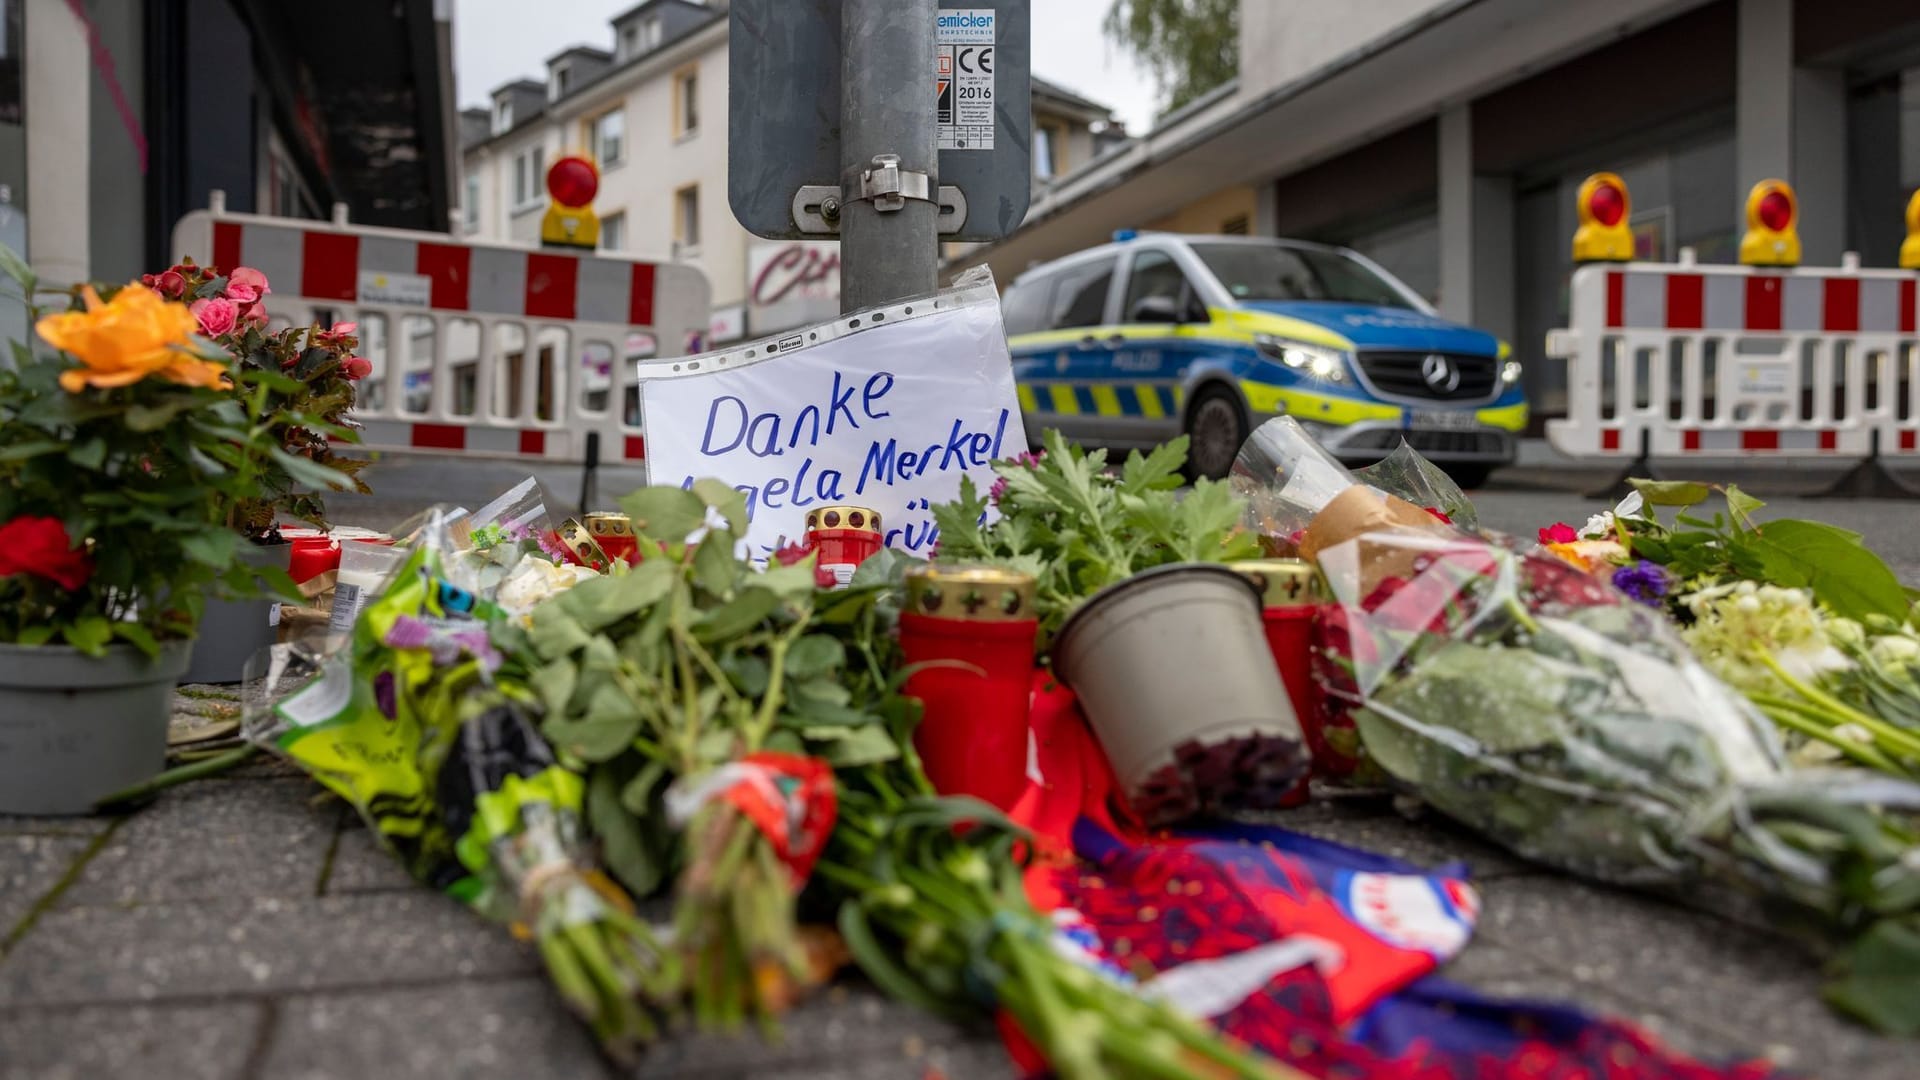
1540 705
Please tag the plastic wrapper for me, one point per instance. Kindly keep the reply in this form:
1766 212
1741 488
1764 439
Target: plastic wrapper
417 726
1288 478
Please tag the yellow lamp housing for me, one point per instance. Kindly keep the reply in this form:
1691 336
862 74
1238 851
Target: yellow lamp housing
1910 248
568 226
1604 207
1773 211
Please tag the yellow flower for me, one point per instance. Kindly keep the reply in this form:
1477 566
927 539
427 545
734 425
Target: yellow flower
119 343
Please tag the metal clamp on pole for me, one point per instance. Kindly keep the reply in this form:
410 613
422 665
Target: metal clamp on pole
885 184
817 207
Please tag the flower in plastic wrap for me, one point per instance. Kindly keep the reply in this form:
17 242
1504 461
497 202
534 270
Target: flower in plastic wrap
1737 623
1529 700
534 579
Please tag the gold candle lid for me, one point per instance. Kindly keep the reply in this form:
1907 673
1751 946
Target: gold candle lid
1284 582
609 524
863 518
974 593
581 543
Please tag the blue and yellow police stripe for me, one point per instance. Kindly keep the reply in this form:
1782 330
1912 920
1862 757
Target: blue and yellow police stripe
1149 401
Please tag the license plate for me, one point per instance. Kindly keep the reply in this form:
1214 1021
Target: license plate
1441 420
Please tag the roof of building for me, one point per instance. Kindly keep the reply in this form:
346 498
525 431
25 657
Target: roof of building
1068 97
580 50
645 4
519 84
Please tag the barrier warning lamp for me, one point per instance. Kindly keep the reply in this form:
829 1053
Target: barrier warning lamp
1772 212
1603 235
1910 249
570 220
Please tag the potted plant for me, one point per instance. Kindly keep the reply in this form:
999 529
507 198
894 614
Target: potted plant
306 412
122 449
1161 642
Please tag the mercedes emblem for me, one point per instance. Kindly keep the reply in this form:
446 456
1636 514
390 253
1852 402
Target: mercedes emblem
1441 374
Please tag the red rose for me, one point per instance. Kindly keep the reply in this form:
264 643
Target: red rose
357 367
40 546
169 284
1558 533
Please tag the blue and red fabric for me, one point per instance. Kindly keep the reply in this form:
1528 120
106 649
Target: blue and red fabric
1355 1000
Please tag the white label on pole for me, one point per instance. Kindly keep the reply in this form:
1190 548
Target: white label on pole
963 78
401 290
889 417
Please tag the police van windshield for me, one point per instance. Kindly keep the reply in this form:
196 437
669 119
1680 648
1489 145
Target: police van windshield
1276 272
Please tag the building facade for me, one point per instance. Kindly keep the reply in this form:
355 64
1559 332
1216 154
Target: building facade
652 113
1446 140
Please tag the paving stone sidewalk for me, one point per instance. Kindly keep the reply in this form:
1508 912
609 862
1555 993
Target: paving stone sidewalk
248 927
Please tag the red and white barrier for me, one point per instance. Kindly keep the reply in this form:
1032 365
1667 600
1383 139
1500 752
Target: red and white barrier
1739 361
476 348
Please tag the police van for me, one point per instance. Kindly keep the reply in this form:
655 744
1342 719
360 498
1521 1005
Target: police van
1132 343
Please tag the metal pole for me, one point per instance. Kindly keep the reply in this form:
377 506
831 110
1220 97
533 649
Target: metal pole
887 107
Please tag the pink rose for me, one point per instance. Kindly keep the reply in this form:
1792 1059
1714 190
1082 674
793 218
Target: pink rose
242 294
357 367
217 316
252 281
1558 533
254 314
335 336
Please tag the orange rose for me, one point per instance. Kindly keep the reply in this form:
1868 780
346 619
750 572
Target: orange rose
119 343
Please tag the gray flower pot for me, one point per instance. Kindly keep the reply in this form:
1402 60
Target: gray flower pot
74 729
1173 670
231 631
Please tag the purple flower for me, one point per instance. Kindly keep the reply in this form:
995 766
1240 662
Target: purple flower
998 489
1644 581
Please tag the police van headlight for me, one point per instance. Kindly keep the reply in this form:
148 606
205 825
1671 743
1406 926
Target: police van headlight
1317 361
1510 373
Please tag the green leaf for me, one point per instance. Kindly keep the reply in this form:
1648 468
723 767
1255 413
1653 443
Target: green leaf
665 513
211 547
727 500
36 635
1878 978
1672 492
89 633
861 746
1843 575
714 567
824 690
554 683
750 674
1742 505
637 854
640 792
90 454
154 417
815 654
311 473
605 732
600 602
786 582
556 633
23 451
16 268
736 616
138 636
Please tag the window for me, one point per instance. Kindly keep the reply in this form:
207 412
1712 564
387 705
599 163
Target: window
558 88
1047 142
1080 299
1024 307
629 41
613 232
1281 272
502 115
1157 291
653 32
686 102
686 219
470 208
529 174
607 137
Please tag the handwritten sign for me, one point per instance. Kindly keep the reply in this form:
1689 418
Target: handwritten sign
889 416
